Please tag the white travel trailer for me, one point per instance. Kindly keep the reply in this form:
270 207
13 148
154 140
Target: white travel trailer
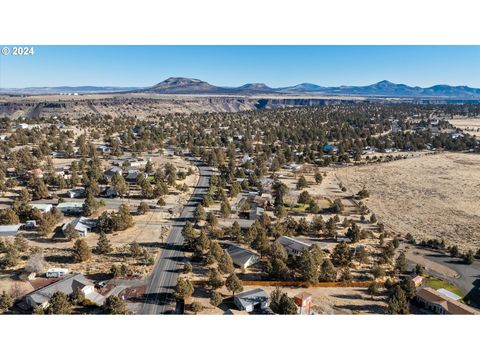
56 273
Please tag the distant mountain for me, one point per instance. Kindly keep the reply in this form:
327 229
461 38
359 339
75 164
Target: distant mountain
182 85
388 89
303 87
260 87
66 90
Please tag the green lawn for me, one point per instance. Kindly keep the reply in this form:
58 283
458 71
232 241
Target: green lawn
438 284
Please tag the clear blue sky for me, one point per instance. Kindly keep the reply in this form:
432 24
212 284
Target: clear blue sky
236 65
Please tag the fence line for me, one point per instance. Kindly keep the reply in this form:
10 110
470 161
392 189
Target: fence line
304 284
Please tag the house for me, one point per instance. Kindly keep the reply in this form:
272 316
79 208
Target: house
59 154
76 193
439 303
256 299
455 135
30 224
293 246
61 171
304 302
294 166
417 280
44 208
241 257
345 239
368 150
133 174
66 285
261 201
9 230
256 212
70 208
330 149
112 171
82 225
110 193
56 273
138 163
104 149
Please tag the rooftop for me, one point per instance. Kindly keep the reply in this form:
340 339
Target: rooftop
451 306
239 255
292 243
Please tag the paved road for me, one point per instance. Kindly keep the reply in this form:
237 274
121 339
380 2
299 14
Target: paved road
158 298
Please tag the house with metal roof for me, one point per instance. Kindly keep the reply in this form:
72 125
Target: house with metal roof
44 208
76 193
82 225
66 285
241 257
293 246
70 207
9 230
256 299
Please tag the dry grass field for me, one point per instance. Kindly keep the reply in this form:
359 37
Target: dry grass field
432 197
467 125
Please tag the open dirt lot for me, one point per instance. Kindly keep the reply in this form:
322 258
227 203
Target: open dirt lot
432 197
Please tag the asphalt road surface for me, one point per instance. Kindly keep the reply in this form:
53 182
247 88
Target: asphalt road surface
158 297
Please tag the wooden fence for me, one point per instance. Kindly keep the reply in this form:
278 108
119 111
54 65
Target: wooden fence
299 284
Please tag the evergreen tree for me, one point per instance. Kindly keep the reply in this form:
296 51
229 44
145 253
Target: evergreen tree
81 251
233 284
103 245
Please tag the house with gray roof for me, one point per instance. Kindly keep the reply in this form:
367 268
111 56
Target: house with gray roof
76 193
241 257
256 212
70 208
66 285
256 299
112 171
82 225
293 246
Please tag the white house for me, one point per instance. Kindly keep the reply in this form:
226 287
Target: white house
293 246
241 257
44 208
256 299
82 225
70 207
